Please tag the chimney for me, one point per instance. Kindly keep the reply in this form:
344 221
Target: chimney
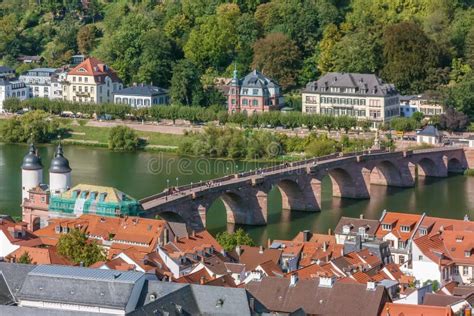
371 285
260 251
329 231
325 247
306 235
269 243
238 250
326 281
202 280
361 216
166 237
175 238
193 233
358 242
293 279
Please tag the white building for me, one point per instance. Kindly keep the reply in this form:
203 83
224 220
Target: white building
445 256
38 81
429 135
140 96
423 103
12 89
364 96
92 81
57 82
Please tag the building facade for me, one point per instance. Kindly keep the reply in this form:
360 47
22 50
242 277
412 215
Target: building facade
429 106
92 81
39 81
364 96
142 96
91 199
254 93
12 89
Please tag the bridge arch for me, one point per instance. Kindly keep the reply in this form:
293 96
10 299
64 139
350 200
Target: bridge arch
427 167
386 173
292 197
342 183
455 166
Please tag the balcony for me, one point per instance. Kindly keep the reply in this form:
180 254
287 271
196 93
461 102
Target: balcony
81 94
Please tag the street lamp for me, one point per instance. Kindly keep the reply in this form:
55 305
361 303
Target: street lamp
177 179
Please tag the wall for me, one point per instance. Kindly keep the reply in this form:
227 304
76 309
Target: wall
424 269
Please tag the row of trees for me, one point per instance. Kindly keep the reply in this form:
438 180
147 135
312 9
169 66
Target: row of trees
193 114
256 144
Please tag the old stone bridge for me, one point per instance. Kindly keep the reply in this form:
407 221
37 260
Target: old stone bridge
245 194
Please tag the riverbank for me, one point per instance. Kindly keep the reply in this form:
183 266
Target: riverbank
94 136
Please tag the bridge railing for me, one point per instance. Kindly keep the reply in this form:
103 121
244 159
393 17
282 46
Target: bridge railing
264 170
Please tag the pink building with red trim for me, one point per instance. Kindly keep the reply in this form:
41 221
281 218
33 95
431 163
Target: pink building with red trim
254 93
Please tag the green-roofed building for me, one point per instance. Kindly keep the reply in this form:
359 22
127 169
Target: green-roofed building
92 199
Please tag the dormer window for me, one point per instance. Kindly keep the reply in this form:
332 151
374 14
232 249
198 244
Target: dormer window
405 229
423 231
387 227
459 238
467 253
346 229
81 70
362 230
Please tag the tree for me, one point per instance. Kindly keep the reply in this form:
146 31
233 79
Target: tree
403 124
25 258
86 39
278 57
461 95
33 126
185 82
320 146
418 116
453 121
213 40
123 138
231 240
75 246
409 56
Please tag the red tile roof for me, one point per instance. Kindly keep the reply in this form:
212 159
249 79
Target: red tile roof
254 256
94 67
394 309
40 255
397 220
447 247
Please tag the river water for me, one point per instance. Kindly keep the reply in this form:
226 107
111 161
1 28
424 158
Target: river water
142 174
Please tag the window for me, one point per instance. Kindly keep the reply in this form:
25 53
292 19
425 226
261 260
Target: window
86 89
405 229
74 79
401 244
386 227
254 102
465 270
455 270
80 79
255 92
420 258
86 79
401 259
245 102
467 253
423 231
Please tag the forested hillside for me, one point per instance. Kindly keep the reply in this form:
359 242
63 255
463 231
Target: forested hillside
418 45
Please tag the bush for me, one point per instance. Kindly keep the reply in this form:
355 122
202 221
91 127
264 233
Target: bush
35 126
231 240
469 172
123 138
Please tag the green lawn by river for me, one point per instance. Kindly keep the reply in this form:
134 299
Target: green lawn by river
90 135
